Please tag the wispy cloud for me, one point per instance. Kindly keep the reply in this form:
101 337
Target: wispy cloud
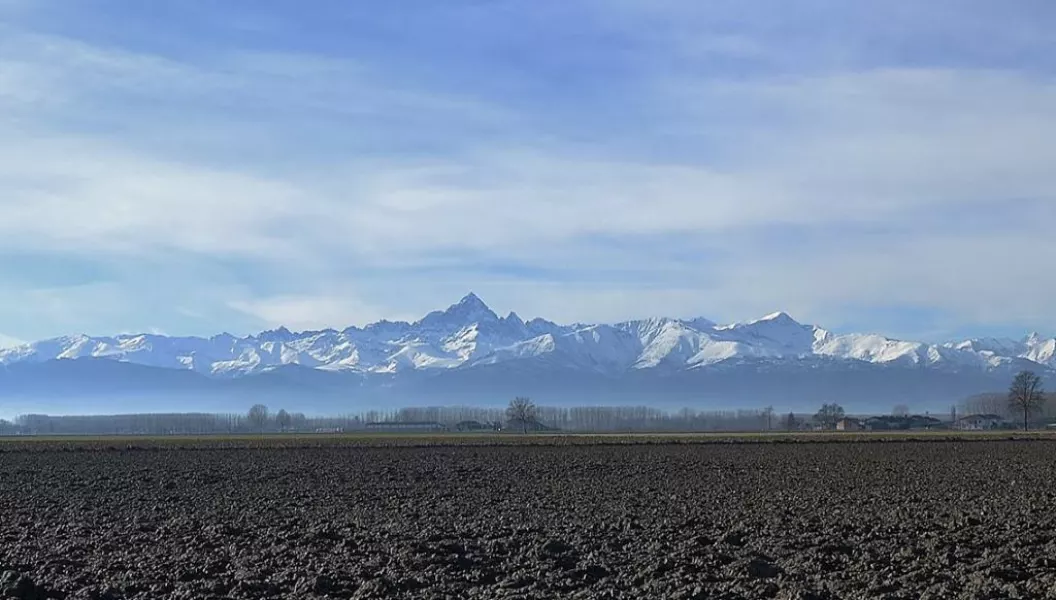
679 161
315 312
10 342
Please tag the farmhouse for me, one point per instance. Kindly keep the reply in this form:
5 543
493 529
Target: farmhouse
848 424
902 423
923 422
474 426
979 422
408 426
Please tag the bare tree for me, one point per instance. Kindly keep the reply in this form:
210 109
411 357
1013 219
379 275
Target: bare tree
298 421
987 404
283 419
829 414
768 414
521 410
791 423
1026 395
258 417
900 410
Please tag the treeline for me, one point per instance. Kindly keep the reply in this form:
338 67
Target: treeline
604 418
574 419
997 404
169 424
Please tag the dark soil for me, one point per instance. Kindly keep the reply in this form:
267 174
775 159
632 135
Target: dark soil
788 521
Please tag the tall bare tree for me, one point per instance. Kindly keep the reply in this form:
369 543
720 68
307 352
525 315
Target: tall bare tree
1026 395
283 420
521 410
768 414
829 415
258 417
987 404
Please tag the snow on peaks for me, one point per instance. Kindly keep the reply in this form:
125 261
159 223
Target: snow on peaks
776 334
700 323
468 333
1033 347
471 303
470 309
776 317
276 335
1041 350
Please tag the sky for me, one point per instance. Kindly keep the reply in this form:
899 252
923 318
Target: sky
189 166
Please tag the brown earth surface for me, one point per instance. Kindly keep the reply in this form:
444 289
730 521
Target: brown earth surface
940 519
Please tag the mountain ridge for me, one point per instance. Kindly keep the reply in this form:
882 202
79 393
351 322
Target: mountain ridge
469 333
468 353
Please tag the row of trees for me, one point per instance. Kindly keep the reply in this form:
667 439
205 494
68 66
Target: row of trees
262 419
1025 400
521 414
1042 407
177 423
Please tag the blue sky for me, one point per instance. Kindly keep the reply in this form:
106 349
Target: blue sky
191 166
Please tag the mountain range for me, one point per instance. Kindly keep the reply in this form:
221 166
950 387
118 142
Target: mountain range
469 354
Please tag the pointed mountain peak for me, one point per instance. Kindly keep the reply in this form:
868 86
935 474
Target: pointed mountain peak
471 297
470 309
472 300
777 317
514 318
1033 337
472 306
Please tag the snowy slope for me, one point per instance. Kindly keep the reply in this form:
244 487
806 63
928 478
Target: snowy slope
469 334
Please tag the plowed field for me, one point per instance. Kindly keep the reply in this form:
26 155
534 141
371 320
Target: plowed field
941 519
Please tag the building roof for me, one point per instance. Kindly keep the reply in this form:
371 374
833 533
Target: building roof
985 417
405 424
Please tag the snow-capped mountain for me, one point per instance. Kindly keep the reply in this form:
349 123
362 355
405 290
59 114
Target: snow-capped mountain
469 333
467 348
